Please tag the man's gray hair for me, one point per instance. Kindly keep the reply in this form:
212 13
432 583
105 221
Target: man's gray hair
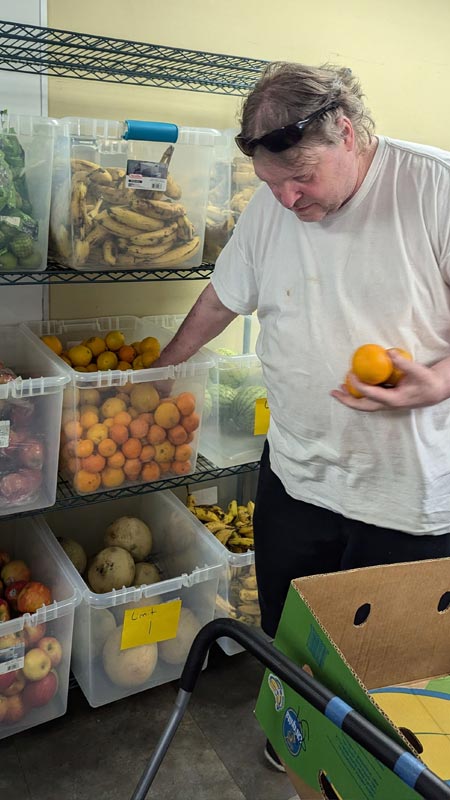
288 92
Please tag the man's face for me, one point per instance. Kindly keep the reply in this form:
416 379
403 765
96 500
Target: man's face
313 187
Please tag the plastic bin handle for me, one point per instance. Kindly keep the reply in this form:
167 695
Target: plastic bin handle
143 131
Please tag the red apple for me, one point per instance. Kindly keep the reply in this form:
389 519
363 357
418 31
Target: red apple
20 487
3 707
33 596
12 592
17 686
33 634
22 412
4 558
36 664
15 571
31 454
4 611
51 646
39 693
15 709
6 680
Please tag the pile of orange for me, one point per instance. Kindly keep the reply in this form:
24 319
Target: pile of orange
372 364
97 354
133 436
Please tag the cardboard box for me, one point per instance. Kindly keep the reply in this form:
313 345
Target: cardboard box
379 639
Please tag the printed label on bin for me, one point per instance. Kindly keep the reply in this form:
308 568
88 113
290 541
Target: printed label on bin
262 417
146 175
12 658
5 426
150 624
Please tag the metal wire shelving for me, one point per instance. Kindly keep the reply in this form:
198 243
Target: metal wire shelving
56 274
68 54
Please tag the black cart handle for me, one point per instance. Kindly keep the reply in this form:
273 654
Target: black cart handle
412 771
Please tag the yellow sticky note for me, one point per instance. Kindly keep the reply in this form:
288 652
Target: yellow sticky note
150 624
262 417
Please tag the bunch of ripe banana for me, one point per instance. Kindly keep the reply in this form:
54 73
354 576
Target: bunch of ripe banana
117 226
233 527
242 600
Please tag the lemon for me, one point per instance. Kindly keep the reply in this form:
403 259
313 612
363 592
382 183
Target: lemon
107 360
80 355
114 340
137 363
96 345
53 343
152 344
148 357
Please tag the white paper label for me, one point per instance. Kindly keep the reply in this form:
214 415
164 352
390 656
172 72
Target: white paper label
5 426
149 175
206 497
12 658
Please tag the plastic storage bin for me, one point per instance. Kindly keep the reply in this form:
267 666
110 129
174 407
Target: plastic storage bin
235 384
26 153
154 453
30 418
113 203
26 699
190 563
236 597
232 185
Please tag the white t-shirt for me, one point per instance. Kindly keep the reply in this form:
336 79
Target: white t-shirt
377 270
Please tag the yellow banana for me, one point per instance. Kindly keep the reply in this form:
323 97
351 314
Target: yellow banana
215 527
117 173
205 515
228 518
158 249
190 501
249 583
135 220
109 252
224 535
165 210
248 595
63 242
80 252
250 508
83 163
233 508
116 227
97 235
246 529
242 541
155 236
78 203
224 605
186 229
173 189
178 255
101 176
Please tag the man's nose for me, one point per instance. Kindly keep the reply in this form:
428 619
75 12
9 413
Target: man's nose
288 195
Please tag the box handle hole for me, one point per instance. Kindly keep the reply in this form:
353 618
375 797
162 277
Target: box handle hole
362 614
412 739
327 788
444 602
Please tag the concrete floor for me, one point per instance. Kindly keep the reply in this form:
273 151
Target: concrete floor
99 754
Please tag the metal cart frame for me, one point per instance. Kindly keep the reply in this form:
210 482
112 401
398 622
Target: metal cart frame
412 771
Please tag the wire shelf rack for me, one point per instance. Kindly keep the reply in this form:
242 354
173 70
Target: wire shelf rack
56 274
50 51
66 498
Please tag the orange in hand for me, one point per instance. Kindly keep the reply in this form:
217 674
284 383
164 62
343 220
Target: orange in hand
372 364
397 374
350 388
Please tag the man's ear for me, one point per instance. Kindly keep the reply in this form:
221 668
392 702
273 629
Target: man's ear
347 132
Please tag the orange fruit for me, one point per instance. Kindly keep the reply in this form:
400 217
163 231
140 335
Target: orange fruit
123 366
186 403
69 415
90 397
156 434
139 427
94 463
107 360
111 477
112 406
177 435
164 451
148 358
144 397
84 448
80 355
118 433
107 447
371 363
350 388
86 481
91 367
181 467
71 397
167 415
108 422
397 374
150 472
138 363
117 460
165 467
147 453
122 418
183 452
133 413
151 344
114 340
73 430
137 347
132 468
96 345
88 419
97 433
132 448
54 344
67 360
191 422
127 353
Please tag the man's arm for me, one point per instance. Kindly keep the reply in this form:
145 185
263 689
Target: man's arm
206 319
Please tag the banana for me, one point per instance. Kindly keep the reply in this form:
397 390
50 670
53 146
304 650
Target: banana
178 255
205 515
123 260
101 176
249 583
224 535
109 252
250 508
78 203
215 527
250 609
117 173
80 252
62 241
155 236
165 210
135 220
246 529
97 235
242 541
186 229
224 604
173 189
190 501
233 508
83 163
112 224
248 595
151 253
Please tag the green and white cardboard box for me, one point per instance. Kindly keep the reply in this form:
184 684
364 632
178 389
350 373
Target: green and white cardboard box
379 638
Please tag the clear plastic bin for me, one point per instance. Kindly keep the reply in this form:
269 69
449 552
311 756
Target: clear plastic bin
236 597
26 153
103 212
190 564
232 185
32 690
146 444
235 383
30 419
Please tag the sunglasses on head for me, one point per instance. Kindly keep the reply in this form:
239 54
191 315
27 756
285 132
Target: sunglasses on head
282 138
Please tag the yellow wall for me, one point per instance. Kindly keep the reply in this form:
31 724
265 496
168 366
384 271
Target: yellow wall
398 49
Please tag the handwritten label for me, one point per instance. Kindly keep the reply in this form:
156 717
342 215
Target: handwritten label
150 624
262 417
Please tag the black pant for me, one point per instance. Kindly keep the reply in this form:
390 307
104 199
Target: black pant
294 539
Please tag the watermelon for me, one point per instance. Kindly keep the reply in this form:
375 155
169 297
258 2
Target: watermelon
207 405
243 408
231 375
222 399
